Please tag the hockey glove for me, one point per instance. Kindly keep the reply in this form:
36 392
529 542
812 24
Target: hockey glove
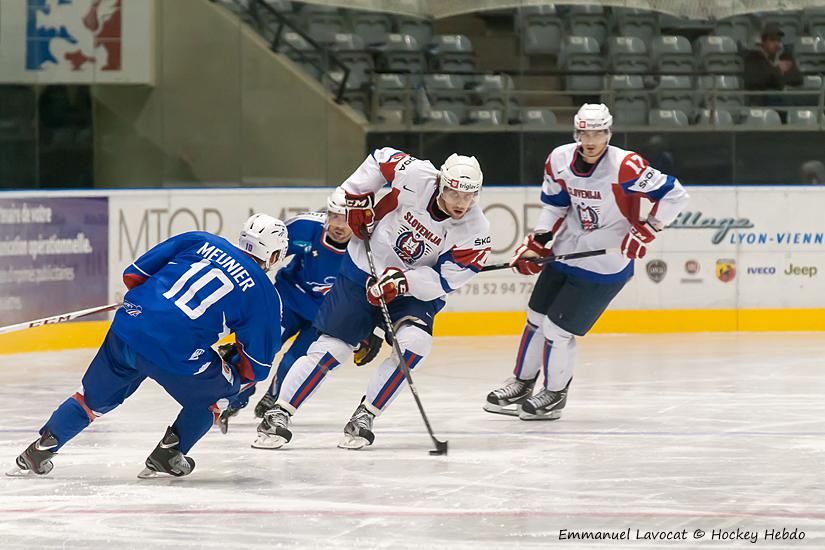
391 284
228 352
236 403
634 244
361 213
367 349
533 248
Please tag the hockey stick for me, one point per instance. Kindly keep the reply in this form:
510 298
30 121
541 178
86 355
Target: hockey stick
552 258
62 318
440 446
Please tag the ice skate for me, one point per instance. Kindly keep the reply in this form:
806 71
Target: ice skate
167 460
36 459
273 431
545 405
358 431
265 404
507 399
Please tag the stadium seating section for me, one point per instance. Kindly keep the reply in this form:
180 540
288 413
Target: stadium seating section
650 68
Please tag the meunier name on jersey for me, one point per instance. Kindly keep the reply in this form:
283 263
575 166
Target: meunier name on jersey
225 261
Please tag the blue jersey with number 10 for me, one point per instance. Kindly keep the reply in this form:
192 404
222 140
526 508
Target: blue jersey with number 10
189 291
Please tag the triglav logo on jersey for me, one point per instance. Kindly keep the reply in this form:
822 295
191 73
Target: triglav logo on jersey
725 270
132 309
588 216
408 248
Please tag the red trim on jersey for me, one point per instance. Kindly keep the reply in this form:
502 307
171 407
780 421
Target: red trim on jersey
244 366
470 257
387 204
131 280
577 153
548 169
331 248
82 402
388 168
629 205
630 170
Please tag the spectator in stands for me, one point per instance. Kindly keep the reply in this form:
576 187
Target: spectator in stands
768 69
812 172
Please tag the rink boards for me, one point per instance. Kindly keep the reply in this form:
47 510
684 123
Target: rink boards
739 258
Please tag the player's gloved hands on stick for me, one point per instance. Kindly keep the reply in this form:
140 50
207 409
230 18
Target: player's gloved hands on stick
391 284
360 213
367 349
634 244
532 248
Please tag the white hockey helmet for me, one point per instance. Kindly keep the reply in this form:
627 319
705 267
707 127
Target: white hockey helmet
461 173
337 202
592 117
261 236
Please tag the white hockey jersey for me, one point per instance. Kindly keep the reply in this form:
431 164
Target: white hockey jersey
438 254
594 210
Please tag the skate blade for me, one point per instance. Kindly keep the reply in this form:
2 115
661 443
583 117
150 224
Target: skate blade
20 472
498 409
268 442
352 442
146 473
552 415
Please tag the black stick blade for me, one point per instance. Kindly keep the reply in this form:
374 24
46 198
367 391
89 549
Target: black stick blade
440 448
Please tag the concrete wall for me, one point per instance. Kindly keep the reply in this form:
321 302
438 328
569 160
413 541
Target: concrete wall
224 110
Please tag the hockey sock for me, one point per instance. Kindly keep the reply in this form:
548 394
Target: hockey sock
192 424
528 357
389 378
558 355
68 420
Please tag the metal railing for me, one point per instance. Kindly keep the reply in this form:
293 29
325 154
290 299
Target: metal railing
270 24
415 102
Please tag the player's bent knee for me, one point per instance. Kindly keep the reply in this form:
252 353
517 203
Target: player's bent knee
413 338
553 332
534 317
339 349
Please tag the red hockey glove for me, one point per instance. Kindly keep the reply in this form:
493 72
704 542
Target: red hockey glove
634 244
532 248
361 213
391 284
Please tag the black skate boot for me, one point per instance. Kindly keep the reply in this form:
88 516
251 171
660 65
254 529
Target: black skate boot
266 403
545 405
507 399
167 459
37 458
358 431
273 431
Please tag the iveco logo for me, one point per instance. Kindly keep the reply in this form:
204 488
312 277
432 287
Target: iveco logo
771 270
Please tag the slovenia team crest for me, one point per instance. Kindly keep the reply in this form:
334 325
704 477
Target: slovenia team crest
588 216
408 248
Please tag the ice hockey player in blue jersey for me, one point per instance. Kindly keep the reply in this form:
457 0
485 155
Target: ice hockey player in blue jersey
317 244
184 295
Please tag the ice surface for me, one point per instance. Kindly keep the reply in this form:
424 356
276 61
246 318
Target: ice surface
663 432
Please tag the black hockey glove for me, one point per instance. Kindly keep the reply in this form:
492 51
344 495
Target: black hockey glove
228 352
367 349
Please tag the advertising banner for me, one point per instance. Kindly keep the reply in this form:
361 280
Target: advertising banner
53 256
76 41
733 247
